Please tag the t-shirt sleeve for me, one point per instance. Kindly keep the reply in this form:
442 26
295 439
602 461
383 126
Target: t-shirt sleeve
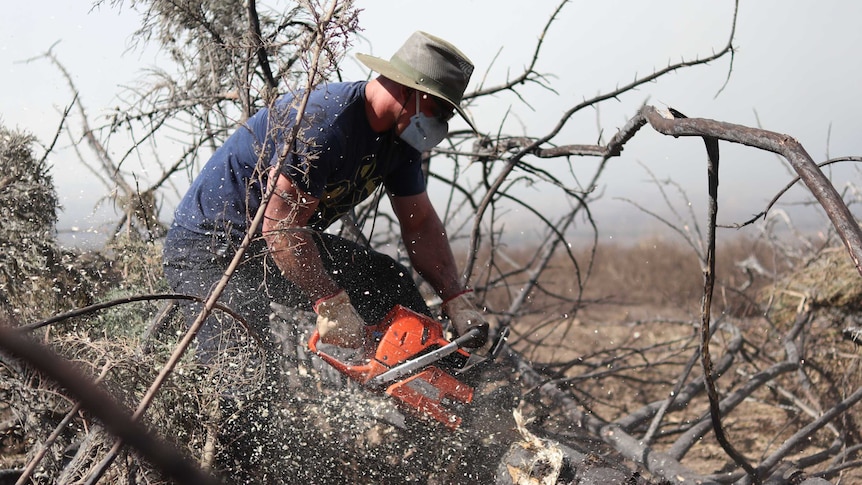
407 179
306 163
308 167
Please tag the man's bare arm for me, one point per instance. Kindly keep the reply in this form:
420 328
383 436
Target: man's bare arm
291 243
427 243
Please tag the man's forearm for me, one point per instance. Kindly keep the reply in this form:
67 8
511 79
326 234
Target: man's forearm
296 255
291 244
432 257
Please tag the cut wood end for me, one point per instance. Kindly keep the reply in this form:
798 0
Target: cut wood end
665 113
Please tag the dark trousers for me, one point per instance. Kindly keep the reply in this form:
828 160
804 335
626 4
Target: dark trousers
194 264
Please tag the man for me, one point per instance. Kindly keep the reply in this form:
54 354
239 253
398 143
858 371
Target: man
354 137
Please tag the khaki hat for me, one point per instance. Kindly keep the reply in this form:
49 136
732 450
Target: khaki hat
429 64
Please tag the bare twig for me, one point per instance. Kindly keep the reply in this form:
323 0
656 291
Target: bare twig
130 299
787 187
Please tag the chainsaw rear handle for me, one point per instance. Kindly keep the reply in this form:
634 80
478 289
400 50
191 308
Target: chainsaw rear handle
312 345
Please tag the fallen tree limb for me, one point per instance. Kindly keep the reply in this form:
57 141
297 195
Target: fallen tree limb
792 362
684 394
810 174
658 463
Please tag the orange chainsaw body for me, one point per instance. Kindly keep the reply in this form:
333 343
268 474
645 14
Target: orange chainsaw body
403 335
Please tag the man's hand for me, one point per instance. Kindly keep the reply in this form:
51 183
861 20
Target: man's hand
465 316
338 323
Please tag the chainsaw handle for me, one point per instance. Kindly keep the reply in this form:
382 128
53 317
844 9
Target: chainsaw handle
313 340
357 372
340 366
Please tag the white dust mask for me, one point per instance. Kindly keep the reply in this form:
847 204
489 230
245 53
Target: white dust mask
424 132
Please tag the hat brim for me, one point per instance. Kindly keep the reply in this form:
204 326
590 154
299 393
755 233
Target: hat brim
387 70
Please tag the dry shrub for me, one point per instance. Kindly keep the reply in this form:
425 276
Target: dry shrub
83 442
37 279
828 280
184 411
137 263
829 286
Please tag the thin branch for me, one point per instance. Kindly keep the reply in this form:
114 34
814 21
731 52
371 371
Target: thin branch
787 187
529 74
59 130
706 308
262 58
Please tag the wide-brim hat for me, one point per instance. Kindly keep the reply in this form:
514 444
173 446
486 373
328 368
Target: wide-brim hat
428 64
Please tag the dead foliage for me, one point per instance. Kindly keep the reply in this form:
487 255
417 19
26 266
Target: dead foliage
828 280
37 278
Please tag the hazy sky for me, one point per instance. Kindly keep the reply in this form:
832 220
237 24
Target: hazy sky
797 70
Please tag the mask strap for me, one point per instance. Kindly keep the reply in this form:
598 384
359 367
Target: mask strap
404 104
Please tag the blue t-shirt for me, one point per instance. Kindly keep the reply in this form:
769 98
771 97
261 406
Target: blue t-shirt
337 158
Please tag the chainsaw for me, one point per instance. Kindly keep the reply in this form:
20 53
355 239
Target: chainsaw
408 357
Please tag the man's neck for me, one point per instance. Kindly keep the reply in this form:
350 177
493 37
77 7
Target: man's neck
381 104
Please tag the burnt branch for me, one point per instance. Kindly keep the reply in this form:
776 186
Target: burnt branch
715 410
656 462
810 174
260 48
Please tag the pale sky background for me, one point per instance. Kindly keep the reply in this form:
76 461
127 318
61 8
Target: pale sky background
798 71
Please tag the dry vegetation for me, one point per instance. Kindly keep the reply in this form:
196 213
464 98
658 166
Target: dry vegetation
623 350
626 348
604 357
617 345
